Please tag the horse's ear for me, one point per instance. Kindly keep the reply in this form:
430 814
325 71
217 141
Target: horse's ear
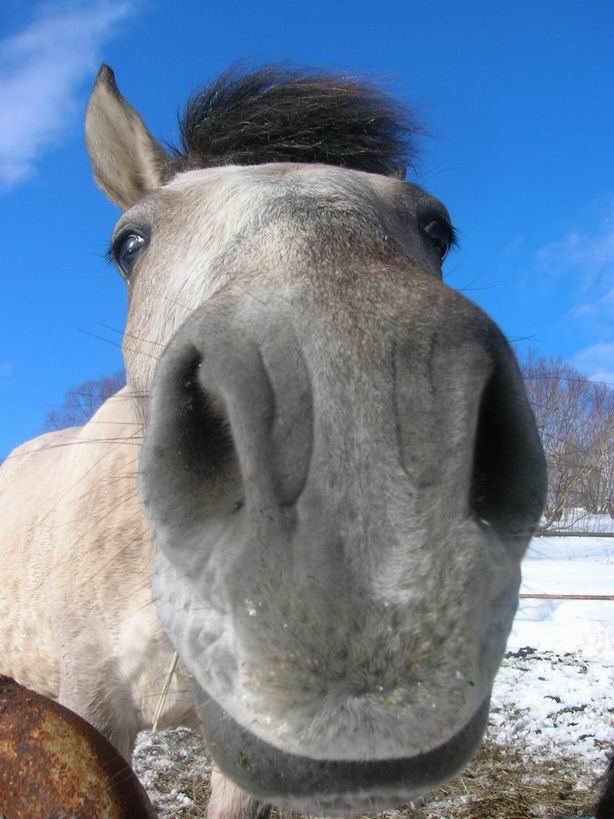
126 160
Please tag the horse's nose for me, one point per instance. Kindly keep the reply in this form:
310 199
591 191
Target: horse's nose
321 481
246 413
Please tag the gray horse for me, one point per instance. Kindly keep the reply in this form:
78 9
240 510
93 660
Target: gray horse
340 469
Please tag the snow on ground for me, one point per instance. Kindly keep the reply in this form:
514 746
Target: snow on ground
565 705
553 698
567 565
555 706
157 759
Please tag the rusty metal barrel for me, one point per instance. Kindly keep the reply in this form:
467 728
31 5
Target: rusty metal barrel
53 763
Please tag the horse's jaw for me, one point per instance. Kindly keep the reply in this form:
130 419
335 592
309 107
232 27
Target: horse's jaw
330 787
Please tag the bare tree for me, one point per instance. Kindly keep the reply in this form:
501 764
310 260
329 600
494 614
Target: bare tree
597 490
575 418
82 401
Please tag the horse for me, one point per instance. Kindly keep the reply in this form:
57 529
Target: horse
320 479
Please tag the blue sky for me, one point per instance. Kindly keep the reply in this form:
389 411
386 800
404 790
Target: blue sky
517 98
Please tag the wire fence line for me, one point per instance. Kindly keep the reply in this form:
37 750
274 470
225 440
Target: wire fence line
571 533
577 522
531 596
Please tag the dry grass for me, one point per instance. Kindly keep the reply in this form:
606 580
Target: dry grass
499 784
502 784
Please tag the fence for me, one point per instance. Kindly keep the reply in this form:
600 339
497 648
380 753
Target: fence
597 526
529 596
577 522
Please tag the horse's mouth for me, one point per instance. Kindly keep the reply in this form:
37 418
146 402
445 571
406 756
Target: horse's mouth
332 788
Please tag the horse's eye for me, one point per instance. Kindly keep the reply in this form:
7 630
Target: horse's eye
440 235
125 251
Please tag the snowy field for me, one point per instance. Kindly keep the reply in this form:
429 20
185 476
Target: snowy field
567 565
552 718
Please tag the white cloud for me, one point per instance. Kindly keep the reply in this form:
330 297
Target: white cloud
599 311
597 361
584 257
581 267
6 368
42 68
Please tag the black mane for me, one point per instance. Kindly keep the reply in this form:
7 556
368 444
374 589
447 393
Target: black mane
276 114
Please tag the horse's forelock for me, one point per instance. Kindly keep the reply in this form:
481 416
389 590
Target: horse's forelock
275 114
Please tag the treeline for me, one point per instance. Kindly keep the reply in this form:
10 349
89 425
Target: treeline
575 417
82 401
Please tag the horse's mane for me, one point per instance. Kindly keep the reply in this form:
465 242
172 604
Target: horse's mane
275 114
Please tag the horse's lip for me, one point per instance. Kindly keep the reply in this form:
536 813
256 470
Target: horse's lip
305 784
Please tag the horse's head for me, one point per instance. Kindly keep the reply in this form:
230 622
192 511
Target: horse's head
340 467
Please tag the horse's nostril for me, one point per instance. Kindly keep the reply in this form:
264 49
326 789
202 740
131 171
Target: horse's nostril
202 428
509 475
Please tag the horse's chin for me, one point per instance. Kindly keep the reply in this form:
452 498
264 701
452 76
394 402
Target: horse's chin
332 788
